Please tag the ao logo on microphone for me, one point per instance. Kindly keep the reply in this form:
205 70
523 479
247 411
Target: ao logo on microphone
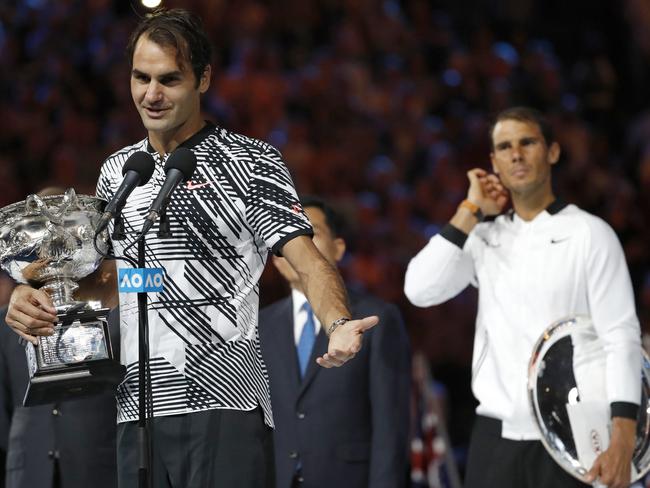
138 280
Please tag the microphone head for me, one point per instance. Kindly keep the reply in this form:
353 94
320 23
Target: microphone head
183 160
142 163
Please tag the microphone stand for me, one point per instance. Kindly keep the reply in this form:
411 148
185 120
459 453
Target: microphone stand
144 461
118 227
145 390
145 395
143 447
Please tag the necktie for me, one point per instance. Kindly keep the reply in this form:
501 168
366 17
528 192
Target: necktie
307 338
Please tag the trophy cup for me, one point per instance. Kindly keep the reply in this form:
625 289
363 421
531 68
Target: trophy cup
568 397
48 242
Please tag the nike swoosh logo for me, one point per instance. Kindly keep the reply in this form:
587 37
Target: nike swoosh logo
490 244
196 186
557 241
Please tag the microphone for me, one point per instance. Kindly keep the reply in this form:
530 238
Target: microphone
179 167
136 171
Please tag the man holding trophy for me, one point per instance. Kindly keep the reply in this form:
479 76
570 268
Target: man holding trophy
541 262
209 394
63 444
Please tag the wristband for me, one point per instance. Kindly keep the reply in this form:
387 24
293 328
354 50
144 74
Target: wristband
336 323
472 207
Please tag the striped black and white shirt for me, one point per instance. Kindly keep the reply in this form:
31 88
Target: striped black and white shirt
204 348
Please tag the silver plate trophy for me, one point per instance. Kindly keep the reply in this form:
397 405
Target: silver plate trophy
567 393
47 242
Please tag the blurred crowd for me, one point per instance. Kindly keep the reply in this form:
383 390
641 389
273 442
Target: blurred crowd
379 106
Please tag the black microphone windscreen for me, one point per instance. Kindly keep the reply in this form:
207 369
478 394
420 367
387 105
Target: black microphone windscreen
142 163
183 160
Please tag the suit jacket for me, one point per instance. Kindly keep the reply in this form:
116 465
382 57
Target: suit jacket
348 426
79 433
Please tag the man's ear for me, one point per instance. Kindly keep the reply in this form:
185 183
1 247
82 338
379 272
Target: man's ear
204 82
339 248
554 152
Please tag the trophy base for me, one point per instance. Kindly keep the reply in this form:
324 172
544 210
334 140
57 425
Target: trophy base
74 362
93 378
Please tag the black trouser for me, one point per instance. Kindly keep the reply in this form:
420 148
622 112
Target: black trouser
495 462
216 448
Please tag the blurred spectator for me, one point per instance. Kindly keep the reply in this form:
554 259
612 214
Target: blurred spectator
379 105
432 462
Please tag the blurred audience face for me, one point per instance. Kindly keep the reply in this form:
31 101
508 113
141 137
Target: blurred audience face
165 94
331 247
522 158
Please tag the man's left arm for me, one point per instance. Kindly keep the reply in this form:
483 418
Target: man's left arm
612 309
326 293
390 387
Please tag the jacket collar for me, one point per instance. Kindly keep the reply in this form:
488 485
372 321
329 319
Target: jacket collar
555 207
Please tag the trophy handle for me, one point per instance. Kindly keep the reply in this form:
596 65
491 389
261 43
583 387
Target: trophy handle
34 202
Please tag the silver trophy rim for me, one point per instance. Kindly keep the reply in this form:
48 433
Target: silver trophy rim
539 349
84 199
54 210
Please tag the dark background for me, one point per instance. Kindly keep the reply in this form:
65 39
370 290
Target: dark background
380 106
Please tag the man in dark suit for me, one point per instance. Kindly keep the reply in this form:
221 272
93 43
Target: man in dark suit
345 427
65 445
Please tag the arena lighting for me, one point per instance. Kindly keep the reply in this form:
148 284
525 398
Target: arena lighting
151 3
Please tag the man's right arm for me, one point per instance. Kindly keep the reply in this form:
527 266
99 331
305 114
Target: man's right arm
441 269
31 312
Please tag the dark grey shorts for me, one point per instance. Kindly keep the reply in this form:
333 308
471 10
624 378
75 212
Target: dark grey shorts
215 448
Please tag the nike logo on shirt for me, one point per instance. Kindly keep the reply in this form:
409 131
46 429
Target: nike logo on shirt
196 186
557 241
490 244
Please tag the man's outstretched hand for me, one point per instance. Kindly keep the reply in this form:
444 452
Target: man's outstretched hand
346 341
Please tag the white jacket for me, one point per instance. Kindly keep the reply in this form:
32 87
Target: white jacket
529 275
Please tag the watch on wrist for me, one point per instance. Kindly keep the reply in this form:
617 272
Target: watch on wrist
475 209
336 323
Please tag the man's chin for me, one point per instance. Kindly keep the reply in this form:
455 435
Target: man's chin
154 124
522 188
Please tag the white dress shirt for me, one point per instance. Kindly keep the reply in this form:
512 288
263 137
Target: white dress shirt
300 314
529 275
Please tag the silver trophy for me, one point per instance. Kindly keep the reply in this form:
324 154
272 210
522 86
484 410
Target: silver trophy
567 393
47 242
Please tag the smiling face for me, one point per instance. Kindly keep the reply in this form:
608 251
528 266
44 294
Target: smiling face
166 94
522 158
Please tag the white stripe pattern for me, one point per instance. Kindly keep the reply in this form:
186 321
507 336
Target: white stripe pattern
203 327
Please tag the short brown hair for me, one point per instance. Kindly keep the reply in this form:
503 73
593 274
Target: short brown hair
525 114
179 29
